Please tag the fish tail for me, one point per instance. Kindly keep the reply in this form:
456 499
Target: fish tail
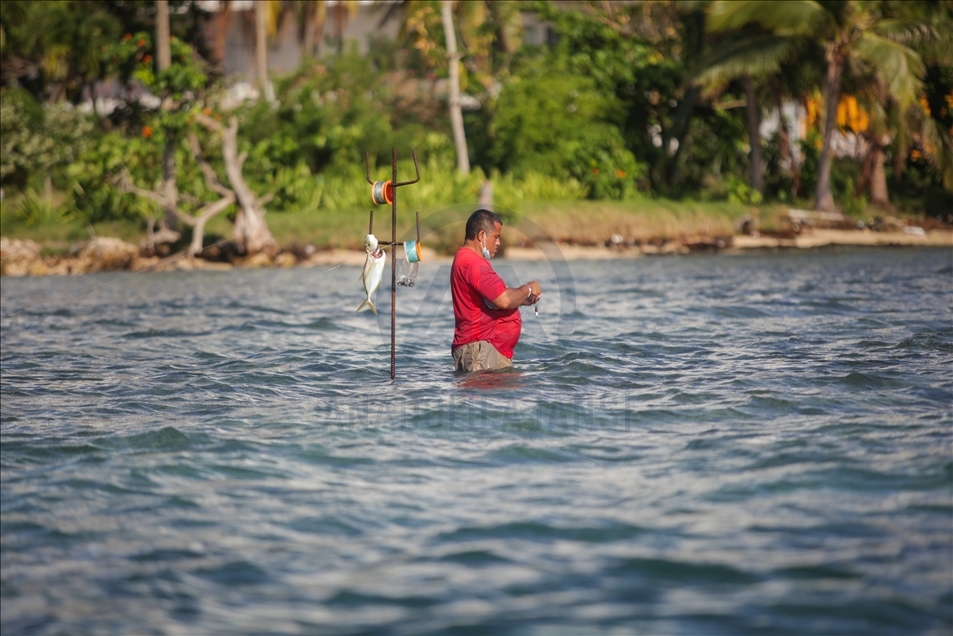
367 303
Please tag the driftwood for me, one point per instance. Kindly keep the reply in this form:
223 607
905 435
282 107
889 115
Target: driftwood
167 198
251 229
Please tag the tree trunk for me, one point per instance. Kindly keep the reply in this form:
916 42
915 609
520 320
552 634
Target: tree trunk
486 194
753 112
261 52
878 176
664 172
198 227
340 19
456 115
163 47
309 29
224 17
250 226
170 189
787 159
163 62
823 197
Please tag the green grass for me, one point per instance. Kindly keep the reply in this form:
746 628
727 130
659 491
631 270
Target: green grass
70 231
577 221
594 222
583 222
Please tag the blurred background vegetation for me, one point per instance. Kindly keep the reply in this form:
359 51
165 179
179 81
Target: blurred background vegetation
681 108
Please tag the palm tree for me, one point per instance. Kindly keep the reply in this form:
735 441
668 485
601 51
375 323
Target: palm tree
456 114
341 12
853 34
882 116
750 57
163 48
926 27
311 15
468 20
267 17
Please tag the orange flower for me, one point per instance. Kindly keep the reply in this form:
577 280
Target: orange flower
595 171
141 43
207 111
147 59
128 36
620 173
147 131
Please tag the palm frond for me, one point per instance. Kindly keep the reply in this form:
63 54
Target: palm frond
938 146
907 31
899 66
273 11
756 57
790 17
932 40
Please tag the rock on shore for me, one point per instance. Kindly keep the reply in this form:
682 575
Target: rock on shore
25 258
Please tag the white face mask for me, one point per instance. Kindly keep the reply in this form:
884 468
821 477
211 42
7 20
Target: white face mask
486 252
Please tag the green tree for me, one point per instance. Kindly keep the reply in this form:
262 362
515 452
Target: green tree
453 64
852 33
36 141
926 27
54 49
182 89
482 27
763 62
561 125
642 53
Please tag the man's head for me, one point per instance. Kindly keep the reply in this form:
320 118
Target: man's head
484 228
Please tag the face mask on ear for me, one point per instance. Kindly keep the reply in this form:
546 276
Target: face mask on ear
486 252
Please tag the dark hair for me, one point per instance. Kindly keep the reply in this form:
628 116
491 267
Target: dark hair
481 220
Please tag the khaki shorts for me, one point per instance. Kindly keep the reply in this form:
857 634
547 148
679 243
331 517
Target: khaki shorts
479 356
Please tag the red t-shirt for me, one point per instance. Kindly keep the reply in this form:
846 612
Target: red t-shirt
474 286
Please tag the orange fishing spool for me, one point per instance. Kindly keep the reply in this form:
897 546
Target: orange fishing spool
382 192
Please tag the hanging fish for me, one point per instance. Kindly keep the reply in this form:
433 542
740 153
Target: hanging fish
373 270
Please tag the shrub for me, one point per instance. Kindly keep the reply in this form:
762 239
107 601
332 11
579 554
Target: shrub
561 126
36 142
740 192
32 208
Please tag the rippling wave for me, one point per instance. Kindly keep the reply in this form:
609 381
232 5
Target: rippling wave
725 444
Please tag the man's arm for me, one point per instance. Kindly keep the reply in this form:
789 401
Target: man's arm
513 297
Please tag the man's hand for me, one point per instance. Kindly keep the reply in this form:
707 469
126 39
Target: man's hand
513 297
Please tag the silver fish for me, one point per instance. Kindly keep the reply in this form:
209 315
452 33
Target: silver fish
373 270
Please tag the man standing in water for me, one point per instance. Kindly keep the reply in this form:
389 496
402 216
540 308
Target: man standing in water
486 311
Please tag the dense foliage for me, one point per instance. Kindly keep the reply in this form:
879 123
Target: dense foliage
609 108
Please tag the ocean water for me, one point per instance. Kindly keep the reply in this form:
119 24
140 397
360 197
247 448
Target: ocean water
717 444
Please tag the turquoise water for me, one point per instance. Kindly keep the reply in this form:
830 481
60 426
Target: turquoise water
709 444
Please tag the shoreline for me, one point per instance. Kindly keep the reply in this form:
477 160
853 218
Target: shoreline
19 258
